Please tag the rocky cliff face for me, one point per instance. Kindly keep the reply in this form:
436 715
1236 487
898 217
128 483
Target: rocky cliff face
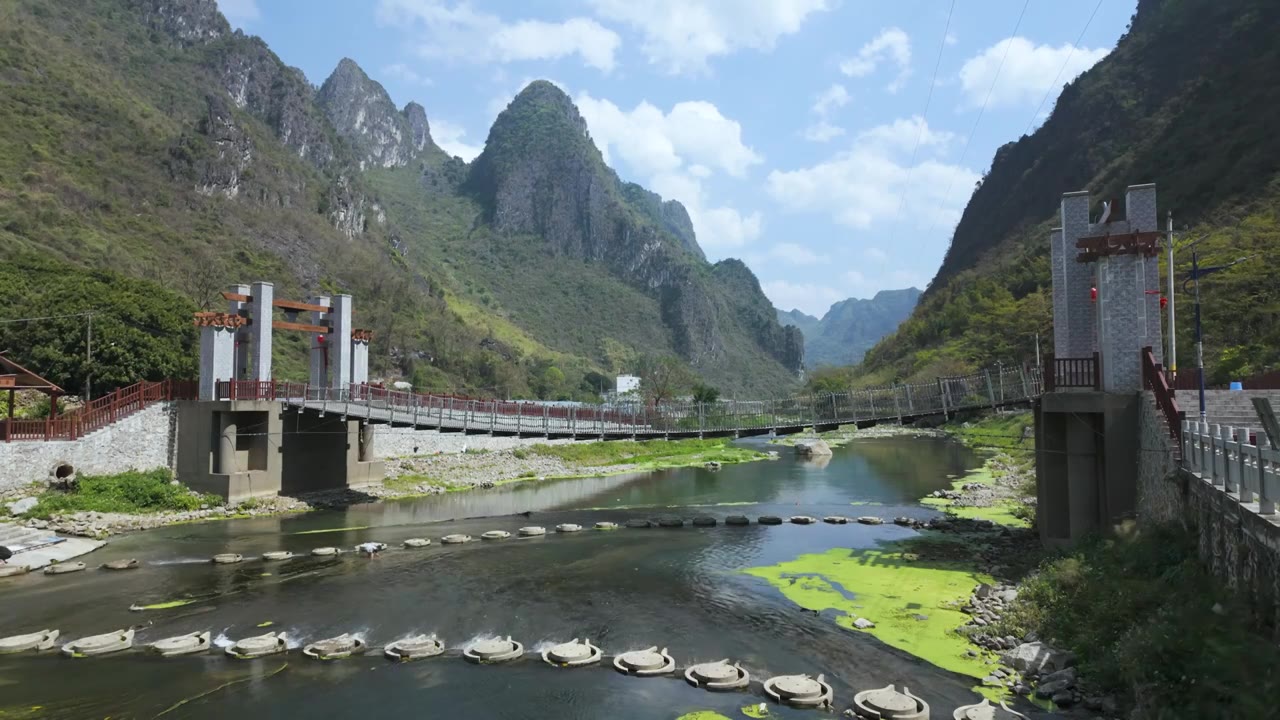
183 22
541 175
362 113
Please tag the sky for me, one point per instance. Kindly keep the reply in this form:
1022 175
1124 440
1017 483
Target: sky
829 144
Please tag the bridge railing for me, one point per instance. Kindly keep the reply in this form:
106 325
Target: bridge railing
1082 372
992 387
1240 461
1155 380
98 413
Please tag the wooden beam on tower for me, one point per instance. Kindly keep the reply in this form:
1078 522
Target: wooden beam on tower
300 306
300 327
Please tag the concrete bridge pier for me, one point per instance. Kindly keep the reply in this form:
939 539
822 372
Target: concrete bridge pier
239 449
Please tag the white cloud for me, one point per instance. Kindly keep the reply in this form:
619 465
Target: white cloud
822 131
450 138
875 254
833 97
868 183
461 33
239 12
681 35
891 46
794 254
401 71
950 39
809 298
1027 74
903 134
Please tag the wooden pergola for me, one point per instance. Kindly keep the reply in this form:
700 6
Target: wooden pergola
14 377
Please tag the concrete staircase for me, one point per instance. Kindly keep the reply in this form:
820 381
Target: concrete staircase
34 549
12 535
1227 407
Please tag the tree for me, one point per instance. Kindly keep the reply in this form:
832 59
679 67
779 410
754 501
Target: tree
703 393
662 377
552 382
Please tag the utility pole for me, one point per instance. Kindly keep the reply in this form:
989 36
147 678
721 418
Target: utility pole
1172 356
88 359
1196 273
1038 350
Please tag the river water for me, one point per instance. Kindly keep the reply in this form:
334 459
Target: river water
675 588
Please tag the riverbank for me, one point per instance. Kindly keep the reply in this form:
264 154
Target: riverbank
103 506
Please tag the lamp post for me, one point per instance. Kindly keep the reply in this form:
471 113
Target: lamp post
1198 272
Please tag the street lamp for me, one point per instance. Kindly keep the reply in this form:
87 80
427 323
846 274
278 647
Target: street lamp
1198 272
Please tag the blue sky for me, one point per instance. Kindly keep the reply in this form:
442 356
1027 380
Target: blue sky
794 131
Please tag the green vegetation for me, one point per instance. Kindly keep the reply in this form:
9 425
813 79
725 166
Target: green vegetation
1172 117
911 590
129 492
1010 432
1152 626
1009 513
649 453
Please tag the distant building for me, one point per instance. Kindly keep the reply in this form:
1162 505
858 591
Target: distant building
627 384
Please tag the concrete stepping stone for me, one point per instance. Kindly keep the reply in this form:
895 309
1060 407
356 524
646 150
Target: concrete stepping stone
719 675
414 647
103 644
36 641
189 644
493 650
572 654
802 691
650 662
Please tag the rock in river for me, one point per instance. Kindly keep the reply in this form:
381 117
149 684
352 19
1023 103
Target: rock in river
812 448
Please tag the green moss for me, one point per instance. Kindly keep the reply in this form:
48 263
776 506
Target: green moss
163 605
1009 513
915 605
331 530
650 454
702 715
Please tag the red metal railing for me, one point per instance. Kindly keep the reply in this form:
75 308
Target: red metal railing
1072 372
1153 377
99 413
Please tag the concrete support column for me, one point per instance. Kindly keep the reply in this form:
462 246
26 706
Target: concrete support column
260 331
359 362
340 347
320 362
1140 208
1078 340
243 338
217 359
366 442
226 443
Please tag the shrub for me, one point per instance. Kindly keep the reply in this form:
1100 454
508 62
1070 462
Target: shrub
128 492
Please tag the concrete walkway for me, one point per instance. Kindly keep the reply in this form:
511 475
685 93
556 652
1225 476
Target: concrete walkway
34 549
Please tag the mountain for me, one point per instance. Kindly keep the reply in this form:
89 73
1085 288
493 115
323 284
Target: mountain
1186 100
147 142
850 327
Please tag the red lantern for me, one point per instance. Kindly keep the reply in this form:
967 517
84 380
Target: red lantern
320 339
1164 302
1093 294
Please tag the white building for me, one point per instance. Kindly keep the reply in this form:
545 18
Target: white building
627 384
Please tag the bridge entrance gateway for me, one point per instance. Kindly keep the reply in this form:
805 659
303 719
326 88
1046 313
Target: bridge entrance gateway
1107 345
236 439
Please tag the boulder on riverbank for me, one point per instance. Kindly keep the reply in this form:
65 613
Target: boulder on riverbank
1038 658
813 448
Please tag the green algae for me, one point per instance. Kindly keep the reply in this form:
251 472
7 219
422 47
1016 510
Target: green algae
756 710
702 715
330 530
164 605
915 605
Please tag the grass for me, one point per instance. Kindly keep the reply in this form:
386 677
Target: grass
648 453
129 492
1151 626
997 432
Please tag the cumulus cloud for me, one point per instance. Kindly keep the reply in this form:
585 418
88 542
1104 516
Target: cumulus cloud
822 131
795 254
239 12
866 184
452 139
680 36
1028 72
891 47
826 102
459 32
809 298
676 151
401 71
875 254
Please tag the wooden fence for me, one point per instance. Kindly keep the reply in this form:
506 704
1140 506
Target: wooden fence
98 413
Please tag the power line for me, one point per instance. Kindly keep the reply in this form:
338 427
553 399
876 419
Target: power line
1049 90
49 317
946 30
982 111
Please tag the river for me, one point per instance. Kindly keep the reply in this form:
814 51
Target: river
677 588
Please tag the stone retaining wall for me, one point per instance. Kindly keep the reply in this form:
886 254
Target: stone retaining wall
1160 492
142 441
